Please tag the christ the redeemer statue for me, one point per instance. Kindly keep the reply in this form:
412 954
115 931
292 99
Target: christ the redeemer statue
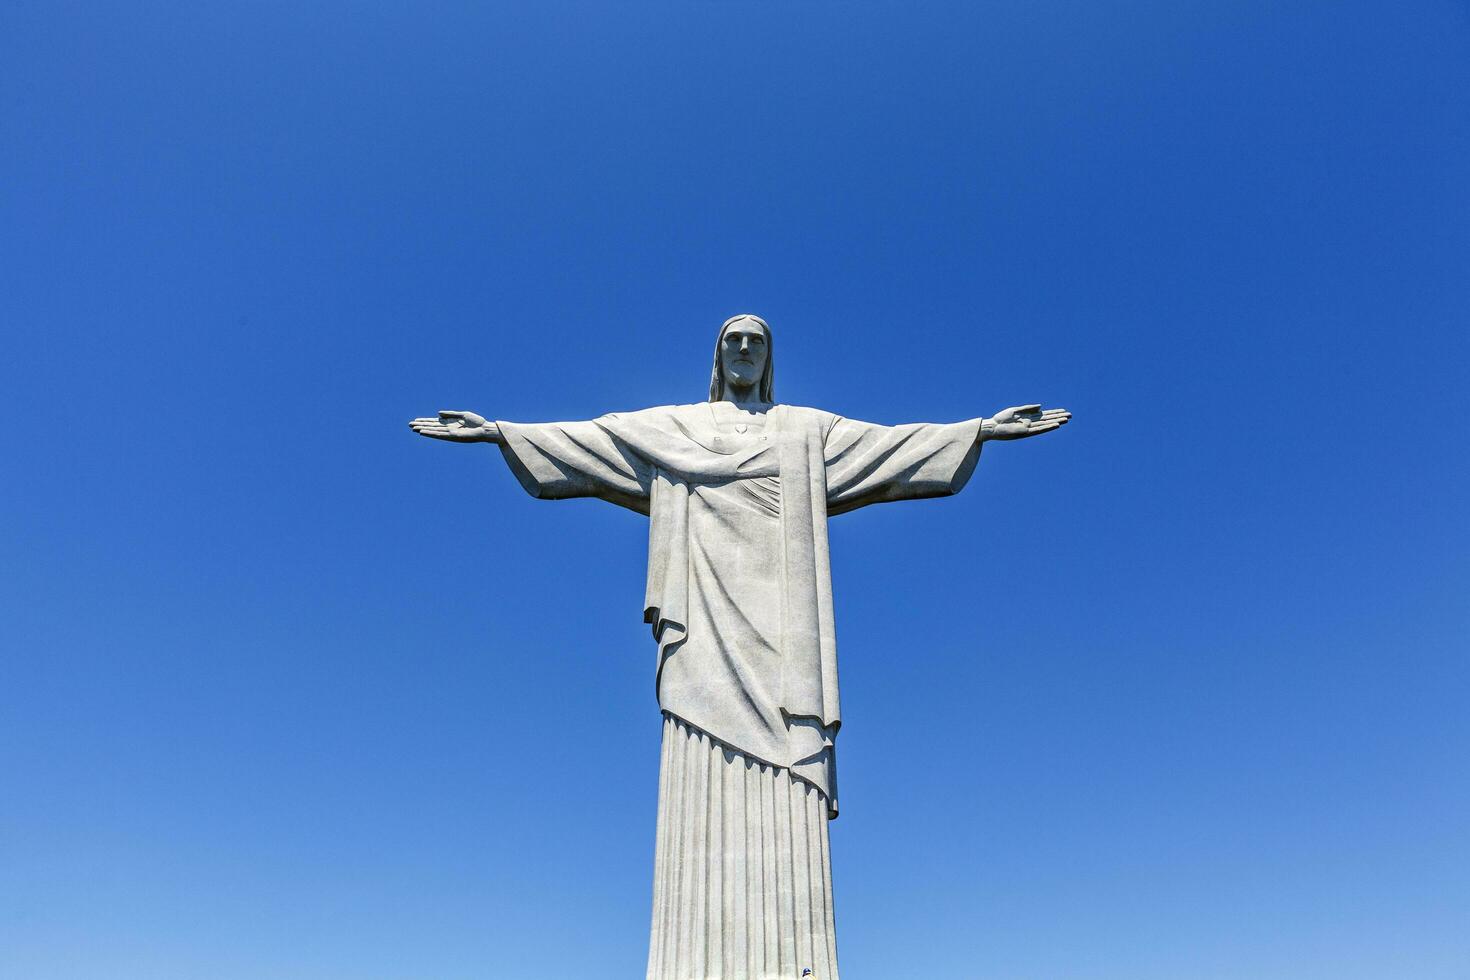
738 490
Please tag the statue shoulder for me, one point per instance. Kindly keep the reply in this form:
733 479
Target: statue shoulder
661 417
698 413
808 418
655 412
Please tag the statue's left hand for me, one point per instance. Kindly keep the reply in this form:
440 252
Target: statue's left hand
1023 421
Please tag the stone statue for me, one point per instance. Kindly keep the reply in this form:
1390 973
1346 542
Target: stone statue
738 490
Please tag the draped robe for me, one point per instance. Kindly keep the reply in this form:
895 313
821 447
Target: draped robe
739 592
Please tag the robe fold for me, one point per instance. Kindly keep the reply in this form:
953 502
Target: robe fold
739 592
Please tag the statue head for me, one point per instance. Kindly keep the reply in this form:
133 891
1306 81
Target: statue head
744 358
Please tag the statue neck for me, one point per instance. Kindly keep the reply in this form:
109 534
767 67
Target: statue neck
747 397
747 400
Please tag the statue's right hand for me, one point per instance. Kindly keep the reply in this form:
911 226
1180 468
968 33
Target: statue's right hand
457 427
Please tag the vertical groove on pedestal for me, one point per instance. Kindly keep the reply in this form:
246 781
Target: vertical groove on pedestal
742 871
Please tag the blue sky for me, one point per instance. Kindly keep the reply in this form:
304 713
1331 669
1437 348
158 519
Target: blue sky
1177 692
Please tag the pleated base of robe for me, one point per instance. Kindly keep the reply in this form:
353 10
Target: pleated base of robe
742 886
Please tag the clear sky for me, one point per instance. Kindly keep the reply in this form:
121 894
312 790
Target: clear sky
1177 693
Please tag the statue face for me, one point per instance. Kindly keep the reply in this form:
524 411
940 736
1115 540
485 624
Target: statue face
744 351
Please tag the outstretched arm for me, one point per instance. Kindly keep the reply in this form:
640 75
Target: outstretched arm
457 427
555 460
869 464
1023 421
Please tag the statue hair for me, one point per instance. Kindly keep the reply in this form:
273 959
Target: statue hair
767 383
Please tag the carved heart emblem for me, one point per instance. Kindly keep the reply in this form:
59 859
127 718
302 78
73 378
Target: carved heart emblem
741 427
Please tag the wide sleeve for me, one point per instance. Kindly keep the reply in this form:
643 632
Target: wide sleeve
559 460
870 464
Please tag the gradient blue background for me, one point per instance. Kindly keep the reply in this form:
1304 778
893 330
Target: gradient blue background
1177 692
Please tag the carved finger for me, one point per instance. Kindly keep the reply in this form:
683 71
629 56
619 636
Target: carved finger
447 414
1056 411
1044 427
